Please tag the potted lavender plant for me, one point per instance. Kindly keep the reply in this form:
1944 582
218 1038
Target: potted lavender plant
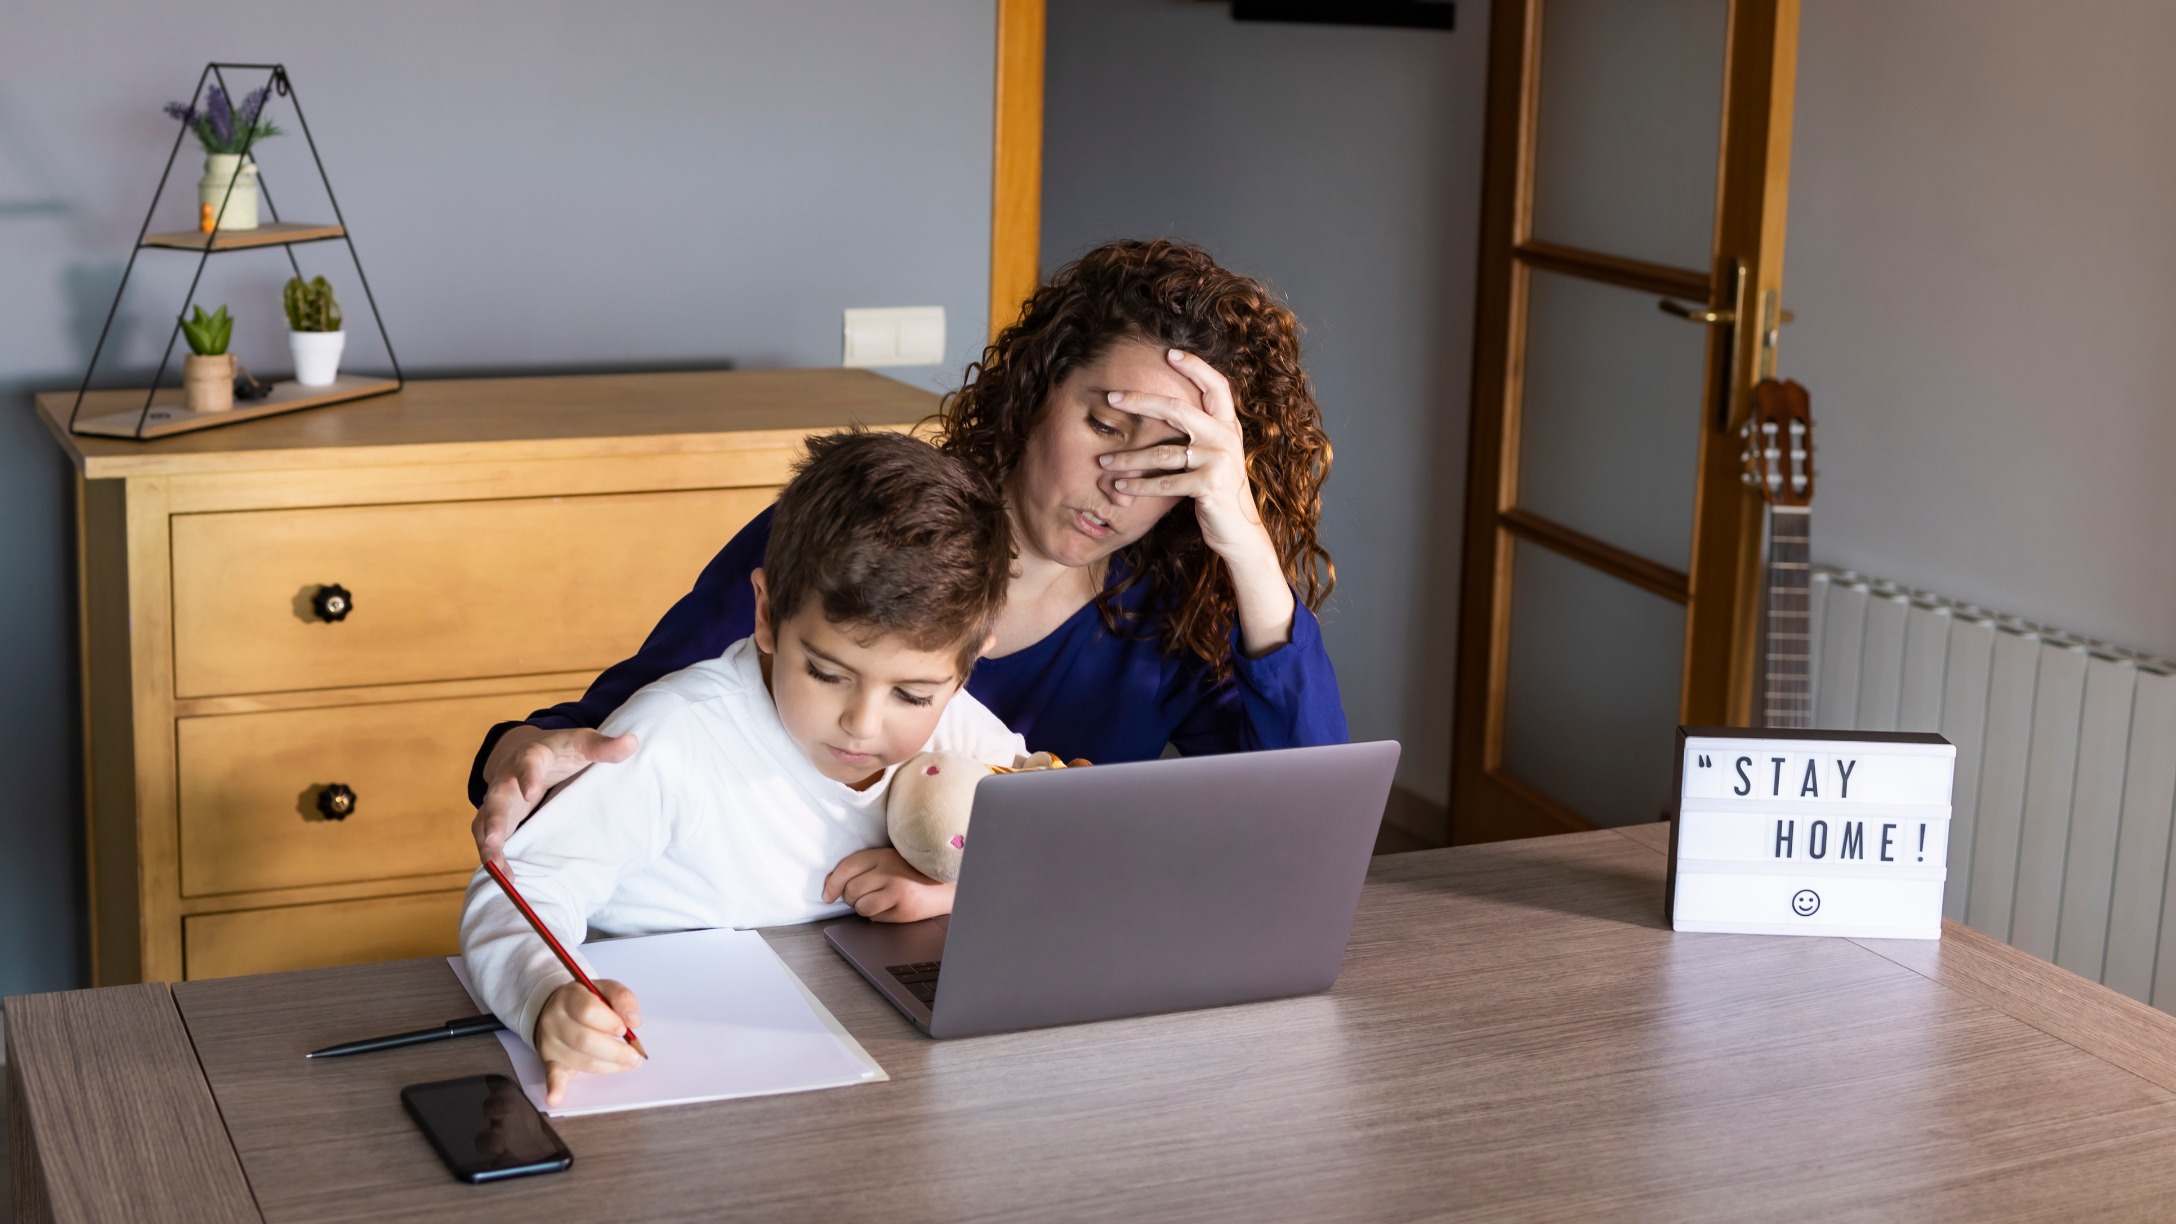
225 130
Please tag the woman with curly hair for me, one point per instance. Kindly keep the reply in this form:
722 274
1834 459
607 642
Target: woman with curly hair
1162 457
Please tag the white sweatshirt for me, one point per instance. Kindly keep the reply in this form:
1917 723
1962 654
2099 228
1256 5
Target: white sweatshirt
718 820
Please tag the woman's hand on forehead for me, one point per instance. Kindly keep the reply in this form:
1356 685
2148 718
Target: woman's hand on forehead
1208 463
1205 459
1145 434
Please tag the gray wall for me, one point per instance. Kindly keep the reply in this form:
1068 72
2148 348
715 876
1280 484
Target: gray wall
1342 166
1983 263
1980 256
531 185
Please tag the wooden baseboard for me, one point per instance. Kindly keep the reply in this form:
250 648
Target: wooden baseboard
1413 822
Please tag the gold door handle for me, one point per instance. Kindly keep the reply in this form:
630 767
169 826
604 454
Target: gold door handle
1726 394
1695 314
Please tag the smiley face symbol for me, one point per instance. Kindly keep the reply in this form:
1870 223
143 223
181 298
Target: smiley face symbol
1805 902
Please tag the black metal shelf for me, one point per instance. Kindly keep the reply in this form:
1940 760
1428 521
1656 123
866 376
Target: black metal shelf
285 235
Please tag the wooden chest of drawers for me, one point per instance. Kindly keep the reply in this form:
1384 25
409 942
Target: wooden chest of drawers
296 630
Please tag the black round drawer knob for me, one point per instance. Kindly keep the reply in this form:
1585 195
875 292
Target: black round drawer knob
336 802
333 602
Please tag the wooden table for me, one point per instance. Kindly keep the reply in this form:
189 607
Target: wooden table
1515 1036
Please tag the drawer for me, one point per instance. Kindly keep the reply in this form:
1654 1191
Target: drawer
440 591
319 936
249 786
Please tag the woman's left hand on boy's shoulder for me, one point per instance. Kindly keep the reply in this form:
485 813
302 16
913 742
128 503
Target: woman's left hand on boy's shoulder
879 884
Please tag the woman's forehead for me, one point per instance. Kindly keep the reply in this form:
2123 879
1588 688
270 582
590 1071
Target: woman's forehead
1136 365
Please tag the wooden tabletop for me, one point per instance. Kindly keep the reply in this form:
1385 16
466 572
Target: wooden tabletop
1515 1035
454 419
124 1126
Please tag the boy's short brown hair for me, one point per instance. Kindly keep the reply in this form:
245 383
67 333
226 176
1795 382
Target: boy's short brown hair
891 536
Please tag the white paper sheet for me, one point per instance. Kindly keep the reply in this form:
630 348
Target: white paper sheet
722 1017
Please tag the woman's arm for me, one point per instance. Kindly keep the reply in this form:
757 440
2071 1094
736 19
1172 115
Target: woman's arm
1284 699
520 762
1282 692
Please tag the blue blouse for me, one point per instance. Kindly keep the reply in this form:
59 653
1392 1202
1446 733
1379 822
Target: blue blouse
1082 691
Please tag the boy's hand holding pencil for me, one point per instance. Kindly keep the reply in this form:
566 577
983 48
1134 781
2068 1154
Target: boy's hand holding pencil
576 1012
578 1034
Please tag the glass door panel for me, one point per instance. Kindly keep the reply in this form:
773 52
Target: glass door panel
1590 711
1609 435
1631 102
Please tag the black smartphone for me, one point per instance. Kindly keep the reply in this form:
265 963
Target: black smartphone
485 1128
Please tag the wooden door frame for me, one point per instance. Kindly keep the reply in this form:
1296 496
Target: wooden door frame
1016 163
1720 592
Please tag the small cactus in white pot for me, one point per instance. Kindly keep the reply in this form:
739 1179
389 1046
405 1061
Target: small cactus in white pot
314 335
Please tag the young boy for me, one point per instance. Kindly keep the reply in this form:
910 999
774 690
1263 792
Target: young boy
760 771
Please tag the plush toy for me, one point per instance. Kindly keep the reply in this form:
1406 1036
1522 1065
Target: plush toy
931 798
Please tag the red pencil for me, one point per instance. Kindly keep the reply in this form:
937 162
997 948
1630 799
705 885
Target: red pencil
507 886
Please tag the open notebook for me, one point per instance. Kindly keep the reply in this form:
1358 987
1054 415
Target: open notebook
722 1017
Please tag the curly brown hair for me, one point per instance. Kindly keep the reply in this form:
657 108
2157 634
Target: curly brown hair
1172 295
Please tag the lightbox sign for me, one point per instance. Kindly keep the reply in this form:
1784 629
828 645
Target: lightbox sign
1810 832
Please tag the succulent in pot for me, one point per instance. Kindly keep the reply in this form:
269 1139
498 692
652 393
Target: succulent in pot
228 190
207 373
313 331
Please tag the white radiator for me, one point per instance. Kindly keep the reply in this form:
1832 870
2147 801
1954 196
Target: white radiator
2066 769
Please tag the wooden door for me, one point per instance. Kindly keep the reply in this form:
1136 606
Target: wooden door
1637 156
1016 160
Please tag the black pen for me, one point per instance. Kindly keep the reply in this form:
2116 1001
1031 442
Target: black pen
466 1026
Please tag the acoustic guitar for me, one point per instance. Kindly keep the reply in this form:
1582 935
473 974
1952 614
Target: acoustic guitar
1779 462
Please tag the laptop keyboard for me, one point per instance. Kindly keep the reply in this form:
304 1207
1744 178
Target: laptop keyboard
920 979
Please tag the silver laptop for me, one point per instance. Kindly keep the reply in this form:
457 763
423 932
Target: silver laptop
1127 890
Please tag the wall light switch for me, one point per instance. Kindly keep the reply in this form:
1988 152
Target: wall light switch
895 336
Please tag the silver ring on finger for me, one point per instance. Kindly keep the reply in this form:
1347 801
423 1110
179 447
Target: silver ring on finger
1189 458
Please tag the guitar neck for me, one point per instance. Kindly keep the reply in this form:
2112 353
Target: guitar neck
1787 683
